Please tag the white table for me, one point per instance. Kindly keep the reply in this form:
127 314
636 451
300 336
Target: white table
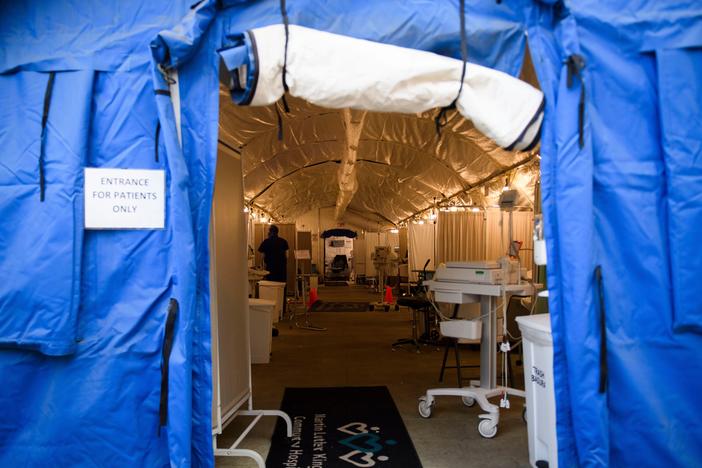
486 387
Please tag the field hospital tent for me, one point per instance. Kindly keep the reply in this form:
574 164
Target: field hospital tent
105 357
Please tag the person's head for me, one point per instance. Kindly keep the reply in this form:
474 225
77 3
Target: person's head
273 231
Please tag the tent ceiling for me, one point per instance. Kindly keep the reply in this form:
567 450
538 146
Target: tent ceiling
401 166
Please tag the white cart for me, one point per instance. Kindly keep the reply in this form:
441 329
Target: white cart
478 391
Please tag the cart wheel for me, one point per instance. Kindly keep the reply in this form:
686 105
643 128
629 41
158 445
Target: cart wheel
487 428
424 408
468 401
524 414
387 308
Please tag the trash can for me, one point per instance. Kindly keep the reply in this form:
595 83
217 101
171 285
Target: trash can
538 382
273 291
260 329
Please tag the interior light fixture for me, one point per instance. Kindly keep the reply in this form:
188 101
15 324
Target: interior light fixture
453 209
421 221
475 209
394 230
246 209
506 187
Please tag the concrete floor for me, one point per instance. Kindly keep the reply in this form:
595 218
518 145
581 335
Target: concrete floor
355 351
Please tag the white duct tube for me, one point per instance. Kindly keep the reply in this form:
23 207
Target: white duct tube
348 183
337 71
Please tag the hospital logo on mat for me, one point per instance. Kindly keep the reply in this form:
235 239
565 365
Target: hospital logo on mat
364 443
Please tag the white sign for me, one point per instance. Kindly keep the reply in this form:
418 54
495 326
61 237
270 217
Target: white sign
302 254
124 199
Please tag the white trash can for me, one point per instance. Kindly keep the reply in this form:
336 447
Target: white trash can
261 329
538 381
273 291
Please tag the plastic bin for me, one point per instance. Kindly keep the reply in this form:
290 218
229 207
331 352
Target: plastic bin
261 329
538 382
273 291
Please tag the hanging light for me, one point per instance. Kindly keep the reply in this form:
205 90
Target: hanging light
394 230
432 215
506 187
421 221
246 209
475 209
453 209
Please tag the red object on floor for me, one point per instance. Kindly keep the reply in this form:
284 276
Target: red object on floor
313 297
388 295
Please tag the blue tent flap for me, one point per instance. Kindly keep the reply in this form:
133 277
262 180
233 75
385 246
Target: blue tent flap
41 235
680 99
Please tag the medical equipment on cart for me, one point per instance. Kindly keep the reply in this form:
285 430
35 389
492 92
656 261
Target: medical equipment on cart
455 289
483 282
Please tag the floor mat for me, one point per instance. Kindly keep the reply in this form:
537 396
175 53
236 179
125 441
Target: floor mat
342 427
331 306
336 283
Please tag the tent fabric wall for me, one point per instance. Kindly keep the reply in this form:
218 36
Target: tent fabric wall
623 200
67 409
605 200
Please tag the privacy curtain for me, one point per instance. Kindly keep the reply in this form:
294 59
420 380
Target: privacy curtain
460 236
421 245
497 234
469 236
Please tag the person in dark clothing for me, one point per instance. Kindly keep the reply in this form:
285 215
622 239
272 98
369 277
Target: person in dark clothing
275 255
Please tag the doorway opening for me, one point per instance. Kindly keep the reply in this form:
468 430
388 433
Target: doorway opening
429 199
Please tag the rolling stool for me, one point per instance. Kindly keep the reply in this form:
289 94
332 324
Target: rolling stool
415 304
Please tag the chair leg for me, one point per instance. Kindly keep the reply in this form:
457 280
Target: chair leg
443 363
458 364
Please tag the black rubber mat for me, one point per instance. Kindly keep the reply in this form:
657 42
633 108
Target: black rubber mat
329 306
342 427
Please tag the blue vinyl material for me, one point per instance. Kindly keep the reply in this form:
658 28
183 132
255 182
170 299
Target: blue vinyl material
83 313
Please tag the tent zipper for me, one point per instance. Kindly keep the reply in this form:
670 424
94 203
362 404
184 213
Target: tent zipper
575 64
158 132
603 331
167 346
44 119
